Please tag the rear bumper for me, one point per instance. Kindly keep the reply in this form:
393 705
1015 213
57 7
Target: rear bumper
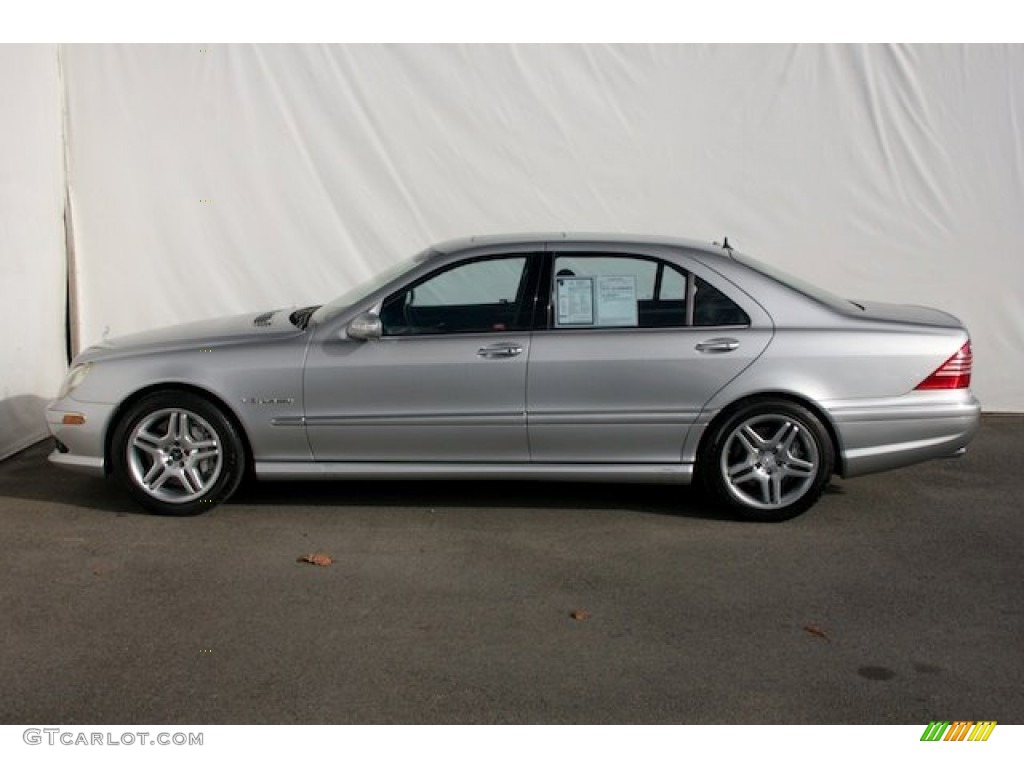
878 435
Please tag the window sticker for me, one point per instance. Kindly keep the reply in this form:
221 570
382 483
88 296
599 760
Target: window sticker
616 300
575 298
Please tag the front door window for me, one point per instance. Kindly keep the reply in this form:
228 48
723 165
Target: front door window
484 296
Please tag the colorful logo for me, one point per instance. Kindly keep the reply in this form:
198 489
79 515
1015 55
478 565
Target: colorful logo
959 730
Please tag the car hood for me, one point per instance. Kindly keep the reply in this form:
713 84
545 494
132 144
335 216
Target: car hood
908 313
203 333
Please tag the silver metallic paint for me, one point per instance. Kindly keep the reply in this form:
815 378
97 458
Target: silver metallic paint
588 405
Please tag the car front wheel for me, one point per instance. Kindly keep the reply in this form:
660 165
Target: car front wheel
177 453
768 461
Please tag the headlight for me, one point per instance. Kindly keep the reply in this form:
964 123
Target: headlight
75 377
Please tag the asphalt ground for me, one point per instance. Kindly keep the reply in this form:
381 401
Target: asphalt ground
897 599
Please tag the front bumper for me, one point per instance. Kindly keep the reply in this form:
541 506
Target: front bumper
80 446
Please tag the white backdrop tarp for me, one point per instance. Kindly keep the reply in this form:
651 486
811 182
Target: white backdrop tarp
32 291
232 178
208 180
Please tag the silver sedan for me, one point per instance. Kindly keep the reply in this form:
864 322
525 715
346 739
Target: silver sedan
544 357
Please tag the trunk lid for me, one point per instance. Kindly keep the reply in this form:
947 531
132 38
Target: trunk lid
908 313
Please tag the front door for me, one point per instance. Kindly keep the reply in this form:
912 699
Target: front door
446 382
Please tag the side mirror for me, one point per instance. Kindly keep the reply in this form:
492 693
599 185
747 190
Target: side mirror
365 327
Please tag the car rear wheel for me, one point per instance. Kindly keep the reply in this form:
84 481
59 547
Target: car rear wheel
177 453
768 461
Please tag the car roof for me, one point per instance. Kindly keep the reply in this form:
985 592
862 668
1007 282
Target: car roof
607 239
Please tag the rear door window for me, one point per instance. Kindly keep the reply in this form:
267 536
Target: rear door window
611 291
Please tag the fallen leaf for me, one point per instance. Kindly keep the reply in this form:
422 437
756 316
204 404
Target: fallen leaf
317 558
579 614
817 631
97 571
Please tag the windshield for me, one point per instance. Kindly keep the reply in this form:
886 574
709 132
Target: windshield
354 294
796 283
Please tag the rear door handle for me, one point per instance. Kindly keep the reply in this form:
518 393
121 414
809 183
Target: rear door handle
504 349
720 344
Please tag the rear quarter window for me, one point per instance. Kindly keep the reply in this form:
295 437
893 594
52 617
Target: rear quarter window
711 307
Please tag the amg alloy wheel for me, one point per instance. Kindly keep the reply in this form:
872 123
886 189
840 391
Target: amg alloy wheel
177 453
769 461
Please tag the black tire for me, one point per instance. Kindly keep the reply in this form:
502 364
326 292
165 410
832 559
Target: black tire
768 460
177 453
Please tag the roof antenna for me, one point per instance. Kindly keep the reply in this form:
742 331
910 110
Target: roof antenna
725 243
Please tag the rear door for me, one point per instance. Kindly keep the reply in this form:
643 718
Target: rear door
632 348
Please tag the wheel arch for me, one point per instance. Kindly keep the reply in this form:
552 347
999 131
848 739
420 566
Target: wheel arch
839 464
206 394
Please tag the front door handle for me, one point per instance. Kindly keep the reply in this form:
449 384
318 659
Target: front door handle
720 344
504 349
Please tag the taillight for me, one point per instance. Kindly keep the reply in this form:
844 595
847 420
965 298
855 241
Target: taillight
955 373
